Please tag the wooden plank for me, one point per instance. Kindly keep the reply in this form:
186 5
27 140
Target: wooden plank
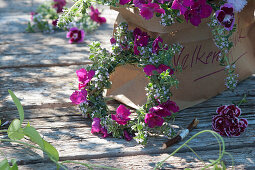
83 145
178 161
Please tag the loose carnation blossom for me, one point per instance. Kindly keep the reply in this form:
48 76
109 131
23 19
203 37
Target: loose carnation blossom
226 123
79 97
75 35
94 15
121 116
147 10
226 16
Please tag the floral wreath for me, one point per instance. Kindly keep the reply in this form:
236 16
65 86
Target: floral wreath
137 47
133 47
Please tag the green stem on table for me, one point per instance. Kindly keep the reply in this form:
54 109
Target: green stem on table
204 131
36 147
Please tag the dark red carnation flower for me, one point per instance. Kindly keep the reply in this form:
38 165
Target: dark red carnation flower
226 123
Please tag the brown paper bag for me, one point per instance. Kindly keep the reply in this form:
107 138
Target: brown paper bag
202 77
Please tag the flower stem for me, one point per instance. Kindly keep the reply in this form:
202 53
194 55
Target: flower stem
204 131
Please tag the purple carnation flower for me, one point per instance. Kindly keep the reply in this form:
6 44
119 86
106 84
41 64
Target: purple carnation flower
123 2
165 109
79 97
226 16
113 41
148 69
181 5
59 4
75 35
197 11
226 123
84 77
121 116
147 10
140 39
139 3
94 15
155 44
96 126
127 135
153 120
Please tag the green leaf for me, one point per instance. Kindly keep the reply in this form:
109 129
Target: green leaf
0 122
18 105
4 165
15 132
34 136
14 165
50 150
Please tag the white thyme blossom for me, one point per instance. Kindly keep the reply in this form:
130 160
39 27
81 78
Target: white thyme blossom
238 4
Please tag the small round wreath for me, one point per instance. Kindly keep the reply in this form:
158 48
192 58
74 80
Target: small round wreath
137 47
130 47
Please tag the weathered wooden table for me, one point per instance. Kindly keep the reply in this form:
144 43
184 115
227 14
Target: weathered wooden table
39 69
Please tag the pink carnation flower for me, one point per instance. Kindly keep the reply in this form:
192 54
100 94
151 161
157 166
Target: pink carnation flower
139 3
94 15
104 132
113 40
96 126
226 16
84 77
147 10
75 35
153 120
150 68
59 4
181 5
79 97
198 10
140 39
123 2
165 109
227 123
121 116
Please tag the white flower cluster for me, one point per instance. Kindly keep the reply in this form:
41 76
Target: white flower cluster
167 20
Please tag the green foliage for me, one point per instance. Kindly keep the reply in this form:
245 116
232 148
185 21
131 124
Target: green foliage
4 165
15 132
51 150
18 105
34 136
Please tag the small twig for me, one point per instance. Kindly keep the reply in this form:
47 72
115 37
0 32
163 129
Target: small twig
182 135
